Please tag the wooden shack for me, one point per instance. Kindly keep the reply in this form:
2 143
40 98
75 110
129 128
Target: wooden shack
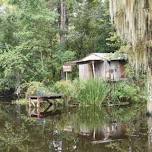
107 66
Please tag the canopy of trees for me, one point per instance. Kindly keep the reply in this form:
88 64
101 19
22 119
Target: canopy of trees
38 36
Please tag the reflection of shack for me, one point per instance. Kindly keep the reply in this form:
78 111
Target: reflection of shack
104 134
107 66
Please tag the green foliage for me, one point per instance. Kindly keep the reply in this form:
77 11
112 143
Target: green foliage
85 92
30 49
125 91
29 46
92 30
98 91
37 88
69 89
93 92
13 68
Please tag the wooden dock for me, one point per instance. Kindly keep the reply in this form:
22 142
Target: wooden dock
37 100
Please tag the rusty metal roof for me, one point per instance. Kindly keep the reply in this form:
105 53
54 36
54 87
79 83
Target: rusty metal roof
103 57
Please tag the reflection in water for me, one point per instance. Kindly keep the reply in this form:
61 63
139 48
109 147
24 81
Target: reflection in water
149 120
90 129
103 133
56 144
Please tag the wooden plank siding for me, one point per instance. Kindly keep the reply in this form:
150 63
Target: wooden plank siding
113 70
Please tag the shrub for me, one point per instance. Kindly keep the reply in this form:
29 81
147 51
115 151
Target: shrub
126 92
93 92
37 88
67 88
96 91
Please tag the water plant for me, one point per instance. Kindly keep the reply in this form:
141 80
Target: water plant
97 91
94 91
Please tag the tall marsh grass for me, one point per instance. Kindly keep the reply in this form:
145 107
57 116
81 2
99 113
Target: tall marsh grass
97 91
94 91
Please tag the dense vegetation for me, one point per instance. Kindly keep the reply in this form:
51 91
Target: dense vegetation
37 37
35 40
97 92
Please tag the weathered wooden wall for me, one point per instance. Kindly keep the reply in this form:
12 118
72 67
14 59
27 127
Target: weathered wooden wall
113 70
100 70
85 72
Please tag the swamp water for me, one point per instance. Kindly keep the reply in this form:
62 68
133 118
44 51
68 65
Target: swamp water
84 129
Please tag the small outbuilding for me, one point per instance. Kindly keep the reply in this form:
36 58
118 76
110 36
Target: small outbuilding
107 66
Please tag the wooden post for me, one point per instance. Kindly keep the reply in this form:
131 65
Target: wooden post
38 102
29 111
38 112
66 76
93 68
38 107
94 134
30 102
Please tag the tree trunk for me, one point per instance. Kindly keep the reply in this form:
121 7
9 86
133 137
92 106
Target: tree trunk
133 21
63 21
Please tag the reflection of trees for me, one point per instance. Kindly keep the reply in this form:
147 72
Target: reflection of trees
13 137
95 122
20 133
132 144
69 130
127 114
91 117
12 134
135 119
149 134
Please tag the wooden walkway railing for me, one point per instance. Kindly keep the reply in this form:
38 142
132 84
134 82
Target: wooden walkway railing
35 104
37 100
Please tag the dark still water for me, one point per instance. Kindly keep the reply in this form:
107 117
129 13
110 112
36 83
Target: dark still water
84 129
